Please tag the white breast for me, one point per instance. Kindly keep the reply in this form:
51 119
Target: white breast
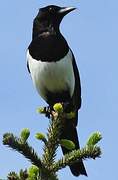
52 76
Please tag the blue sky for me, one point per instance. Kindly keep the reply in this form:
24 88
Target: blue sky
92 33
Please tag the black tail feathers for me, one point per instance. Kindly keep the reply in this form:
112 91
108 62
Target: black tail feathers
69 132
78 169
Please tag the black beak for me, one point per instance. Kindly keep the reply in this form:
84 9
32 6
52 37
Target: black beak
65 10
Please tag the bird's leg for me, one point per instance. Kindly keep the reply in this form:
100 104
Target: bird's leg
66 106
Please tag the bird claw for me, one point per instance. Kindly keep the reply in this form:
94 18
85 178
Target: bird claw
47 111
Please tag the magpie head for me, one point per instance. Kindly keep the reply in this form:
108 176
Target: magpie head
50 16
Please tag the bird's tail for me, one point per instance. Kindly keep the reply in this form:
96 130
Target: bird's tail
69 132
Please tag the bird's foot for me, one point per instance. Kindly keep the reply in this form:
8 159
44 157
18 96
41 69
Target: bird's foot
48 111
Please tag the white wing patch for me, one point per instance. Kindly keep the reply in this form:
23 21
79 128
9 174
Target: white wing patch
53 76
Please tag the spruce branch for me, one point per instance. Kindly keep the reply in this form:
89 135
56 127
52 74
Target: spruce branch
53 135
94 139
24 148
41 137
67 144
33 173
13 176
45 168
24 135
23 175
77 155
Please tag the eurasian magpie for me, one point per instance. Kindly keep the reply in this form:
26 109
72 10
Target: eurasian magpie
54 72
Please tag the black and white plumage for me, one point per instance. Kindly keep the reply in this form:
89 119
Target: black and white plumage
54 72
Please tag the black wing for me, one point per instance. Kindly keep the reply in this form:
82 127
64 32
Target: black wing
76 99
28 67
77 90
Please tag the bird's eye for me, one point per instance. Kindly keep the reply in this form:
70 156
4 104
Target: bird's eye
51 10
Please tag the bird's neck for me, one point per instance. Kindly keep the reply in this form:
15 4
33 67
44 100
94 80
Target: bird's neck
45 28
